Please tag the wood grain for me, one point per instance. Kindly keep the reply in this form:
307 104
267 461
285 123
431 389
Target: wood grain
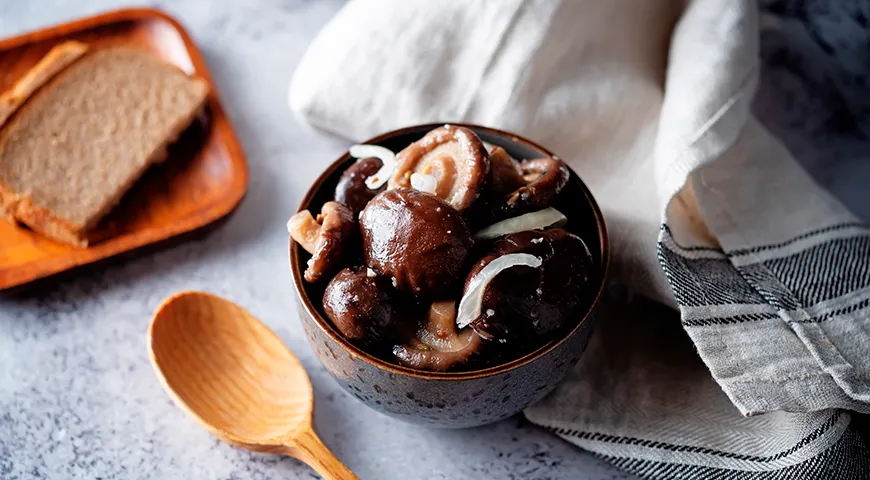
237 379
203 179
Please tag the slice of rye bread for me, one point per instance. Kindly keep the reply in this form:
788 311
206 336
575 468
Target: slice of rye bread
81 140
50 65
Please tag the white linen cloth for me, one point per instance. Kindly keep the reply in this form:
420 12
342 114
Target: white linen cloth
649 102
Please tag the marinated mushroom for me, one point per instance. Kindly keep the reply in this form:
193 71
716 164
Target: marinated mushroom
417 239
522 307
352 189
454 162
505 175
544 179
414 211
326 238
438 345
362 306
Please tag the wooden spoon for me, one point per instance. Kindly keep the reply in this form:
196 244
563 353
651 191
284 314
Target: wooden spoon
237 379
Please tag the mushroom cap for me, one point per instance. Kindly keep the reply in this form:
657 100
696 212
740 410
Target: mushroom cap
524 306
457 159
351 189
416 238
362 306
545 178
334 240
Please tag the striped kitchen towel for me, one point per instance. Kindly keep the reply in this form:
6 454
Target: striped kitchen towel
641 399
755 358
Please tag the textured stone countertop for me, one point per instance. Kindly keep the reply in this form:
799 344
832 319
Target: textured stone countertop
78 398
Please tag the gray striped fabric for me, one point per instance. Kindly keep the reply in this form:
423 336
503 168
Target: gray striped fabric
642 399
771 276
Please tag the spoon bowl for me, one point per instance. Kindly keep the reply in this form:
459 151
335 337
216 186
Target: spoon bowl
237 379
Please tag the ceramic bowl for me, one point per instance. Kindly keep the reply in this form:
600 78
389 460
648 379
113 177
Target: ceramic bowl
451 399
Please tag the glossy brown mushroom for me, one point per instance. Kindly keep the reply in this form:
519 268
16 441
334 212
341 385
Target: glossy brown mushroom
454 156
544 179
437 345
362 306
522 307
351 189
417 239
327 238
505 175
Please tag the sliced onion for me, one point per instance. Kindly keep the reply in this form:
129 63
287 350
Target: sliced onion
469 306
547 217
423 182
388 160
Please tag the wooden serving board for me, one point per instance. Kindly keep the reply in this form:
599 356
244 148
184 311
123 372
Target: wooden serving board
202 180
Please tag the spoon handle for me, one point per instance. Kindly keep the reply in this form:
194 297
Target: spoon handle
308 448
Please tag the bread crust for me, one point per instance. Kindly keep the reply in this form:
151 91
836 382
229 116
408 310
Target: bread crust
41 220
17 207
54 62
14 207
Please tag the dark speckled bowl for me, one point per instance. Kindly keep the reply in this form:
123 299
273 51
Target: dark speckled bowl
457 399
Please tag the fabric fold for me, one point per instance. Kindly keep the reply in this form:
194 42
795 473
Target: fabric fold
641 399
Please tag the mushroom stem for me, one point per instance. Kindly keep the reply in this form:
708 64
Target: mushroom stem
438 345
325 238
505 174
303 228
440 328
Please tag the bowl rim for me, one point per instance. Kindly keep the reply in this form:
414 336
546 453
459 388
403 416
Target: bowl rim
326 327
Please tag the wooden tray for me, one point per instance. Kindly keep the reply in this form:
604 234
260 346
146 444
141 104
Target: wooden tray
203 179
